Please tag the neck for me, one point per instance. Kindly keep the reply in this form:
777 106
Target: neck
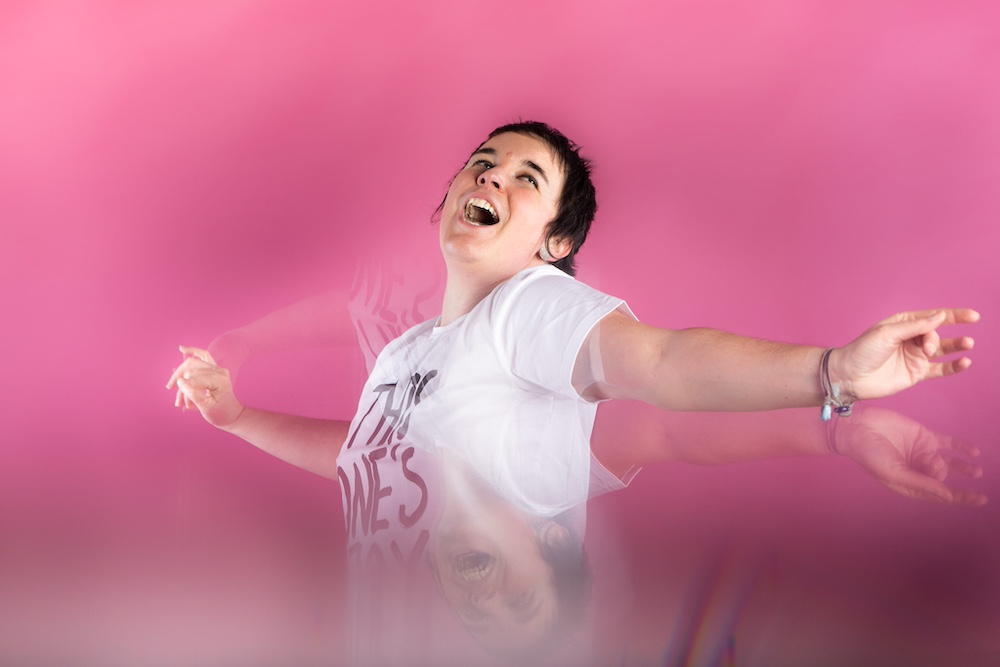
466 287
461 296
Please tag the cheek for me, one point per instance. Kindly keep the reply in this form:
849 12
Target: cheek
546 217
462 182
449 204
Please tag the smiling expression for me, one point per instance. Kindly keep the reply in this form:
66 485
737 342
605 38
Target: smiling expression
498 208
490 567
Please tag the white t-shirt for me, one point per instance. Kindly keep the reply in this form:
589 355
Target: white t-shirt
495 388
492 389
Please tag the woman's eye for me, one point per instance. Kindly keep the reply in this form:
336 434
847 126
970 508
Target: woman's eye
530 179
485 164
521 602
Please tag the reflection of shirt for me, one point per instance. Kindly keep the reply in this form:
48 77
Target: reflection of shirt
390 296
493 389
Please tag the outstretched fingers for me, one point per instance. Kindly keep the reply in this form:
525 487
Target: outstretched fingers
906 326
962 446
968 498
961 316
946 315
914 484
965 468
921 329
946 346
197 353
203 385
946 368
939 369
194 358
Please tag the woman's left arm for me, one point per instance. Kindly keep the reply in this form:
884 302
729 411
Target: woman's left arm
709 370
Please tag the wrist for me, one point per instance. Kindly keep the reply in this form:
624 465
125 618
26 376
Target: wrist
841 379
837 397
841 434
229 419
230 350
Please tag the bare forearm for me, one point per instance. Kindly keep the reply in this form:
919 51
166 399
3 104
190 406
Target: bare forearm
630 433
705 369
308 443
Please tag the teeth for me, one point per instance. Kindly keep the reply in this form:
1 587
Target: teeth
473 566
480 212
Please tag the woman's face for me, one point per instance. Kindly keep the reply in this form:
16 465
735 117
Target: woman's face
499 206
492 573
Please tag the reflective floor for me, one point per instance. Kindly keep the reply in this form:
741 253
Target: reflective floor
790 561
760 539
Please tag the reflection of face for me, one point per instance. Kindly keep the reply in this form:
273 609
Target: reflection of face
499 206
495 578
491 569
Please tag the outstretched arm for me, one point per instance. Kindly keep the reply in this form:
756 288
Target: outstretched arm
318 322
899 452
709 370
305 442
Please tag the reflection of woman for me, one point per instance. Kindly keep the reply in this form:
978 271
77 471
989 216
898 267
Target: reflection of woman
510 373
899 452
515 581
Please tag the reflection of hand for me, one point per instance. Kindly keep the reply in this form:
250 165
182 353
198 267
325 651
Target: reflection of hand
204 385
906 456
899 352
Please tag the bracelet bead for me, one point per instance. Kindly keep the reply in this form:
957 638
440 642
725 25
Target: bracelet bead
831 392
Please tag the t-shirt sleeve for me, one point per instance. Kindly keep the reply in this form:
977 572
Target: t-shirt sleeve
542 321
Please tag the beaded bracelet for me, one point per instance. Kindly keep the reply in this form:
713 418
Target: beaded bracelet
831 392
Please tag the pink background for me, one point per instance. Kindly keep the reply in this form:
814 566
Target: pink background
169 171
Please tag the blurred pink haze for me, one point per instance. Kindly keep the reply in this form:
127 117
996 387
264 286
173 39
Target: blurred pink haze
783 169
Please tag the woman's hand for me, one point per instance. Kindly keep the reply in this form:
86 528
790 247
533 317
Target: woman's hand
202 384
907 457
899 352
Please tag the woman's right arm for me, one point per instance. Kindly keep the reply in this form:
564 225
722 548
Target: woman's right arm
308 443
899 452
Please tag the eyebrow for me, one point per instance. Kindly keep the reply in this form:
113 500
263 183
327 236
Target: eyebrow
527 163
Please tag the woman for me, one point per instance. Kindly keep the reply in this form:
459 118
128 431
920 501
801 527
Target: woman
508 377
522 205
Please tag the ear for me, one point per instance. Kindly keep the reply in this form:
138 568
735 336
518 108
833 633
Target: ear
555 535
559 246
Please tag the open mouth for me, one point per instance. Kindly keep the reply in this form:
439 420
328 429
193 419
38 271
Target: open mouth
480 212
473 565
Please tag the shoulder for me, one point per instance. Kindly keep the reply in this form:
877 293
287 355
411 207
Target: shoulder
544 280
547 290
540 319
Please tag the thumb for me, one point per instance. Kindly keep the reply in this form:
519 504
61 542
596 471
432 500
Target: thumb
908 326
199 395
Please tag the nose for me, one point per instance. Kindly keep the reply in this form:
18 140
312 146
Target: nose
491 177
480 598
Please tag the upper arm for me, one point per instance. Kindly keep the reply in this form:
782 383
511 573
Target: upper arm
622 358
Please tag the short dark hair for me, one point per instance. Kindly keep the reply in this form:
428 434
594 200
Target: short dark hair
578 201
